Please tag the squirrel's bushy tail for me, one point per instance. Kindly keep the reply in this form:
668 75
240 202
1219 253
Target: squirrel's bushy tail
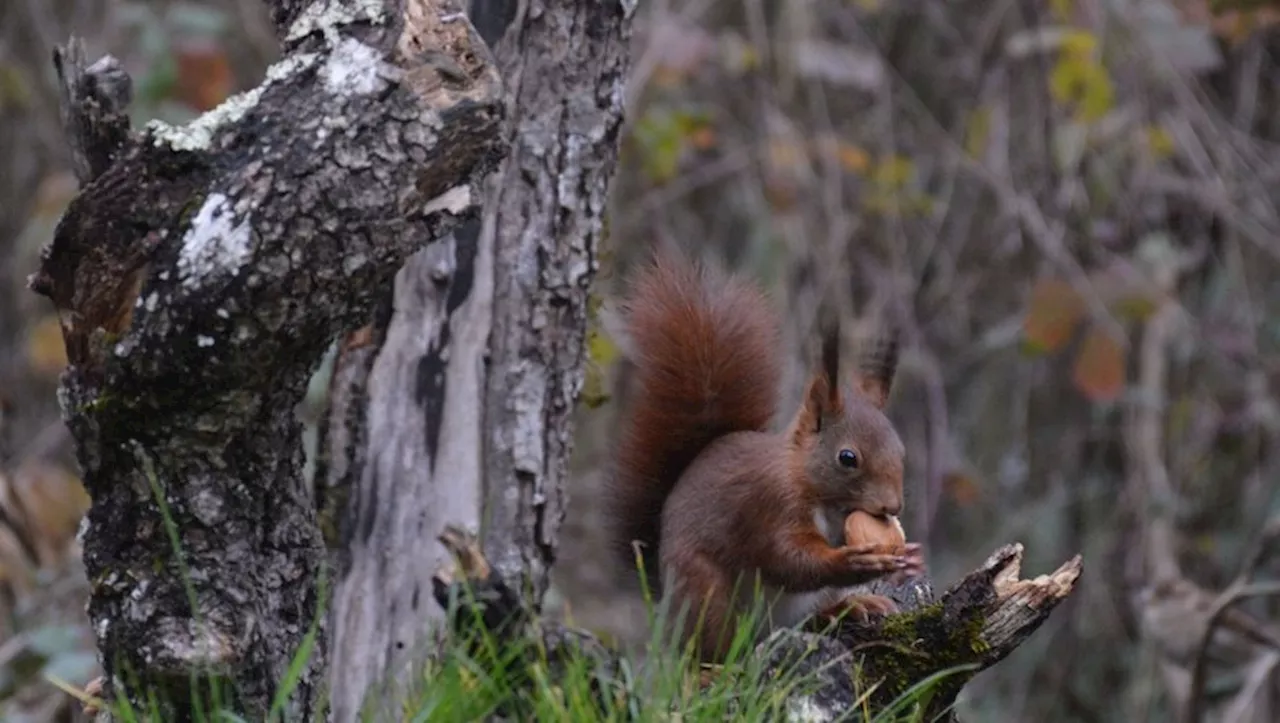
704 347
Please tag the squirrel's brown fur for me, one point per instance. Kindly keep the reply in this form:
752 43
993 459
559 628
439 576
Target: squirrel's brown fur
703 369
709 492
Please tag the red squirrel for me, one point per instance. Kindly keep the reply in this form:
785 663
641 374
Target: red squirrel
715 498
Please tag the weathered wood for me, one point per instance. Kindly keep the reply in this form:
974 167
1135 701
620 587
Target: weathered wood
970 627
406 444
94 108
463 417
199 276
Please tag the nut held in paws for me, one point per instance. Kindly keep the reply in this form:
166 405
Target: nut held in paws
862 528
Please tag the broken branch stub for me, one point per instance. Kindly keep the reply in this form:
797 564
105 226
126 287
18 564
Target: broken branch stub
199 276
972 626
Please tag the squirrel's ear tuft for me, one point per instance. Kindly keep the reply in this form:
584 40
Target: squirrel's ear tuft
877 369
822 398
830 370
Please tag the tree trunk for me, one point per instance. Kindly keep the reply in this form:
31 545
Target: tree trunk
566 70
422 433
200 275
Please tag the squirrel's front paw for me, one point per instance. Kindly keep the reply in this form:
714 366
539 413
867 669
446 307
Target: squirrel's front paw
868 562
913 553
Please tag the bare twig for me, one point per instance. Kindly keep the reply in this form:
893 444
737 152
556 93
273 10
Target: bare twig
1243 707
1242 588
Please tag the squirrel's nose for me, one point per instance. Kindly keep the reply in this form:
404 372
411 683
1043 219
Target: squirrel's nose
890 509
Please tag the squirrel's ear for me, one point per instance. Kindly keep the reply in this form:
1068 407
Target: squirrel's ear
877 369
822 398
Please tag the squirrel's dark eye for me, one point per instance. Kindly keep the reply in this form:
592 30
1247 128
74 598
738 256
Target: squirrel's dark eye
848 458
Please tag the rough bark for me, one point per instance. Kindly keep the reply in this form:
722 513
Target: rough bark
200 275
970 627
423 433
566 70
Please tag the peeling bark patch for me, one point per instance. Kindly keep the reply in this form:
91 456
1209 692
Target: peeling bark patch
455 201
355 69
215 242
432 366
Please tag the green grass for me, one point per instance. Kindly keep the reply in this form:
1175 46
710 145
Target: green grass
478 676
474 675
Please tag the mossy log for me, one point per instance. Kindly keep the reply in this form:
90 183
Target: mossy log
974 624
970 627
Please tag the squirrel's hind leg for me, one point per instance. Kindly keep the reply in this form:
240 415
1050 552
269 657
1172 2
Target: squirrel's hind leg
702 592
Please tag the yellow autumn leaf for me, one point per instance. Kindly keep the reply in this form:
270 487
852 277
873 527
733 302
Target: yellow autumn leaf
1079 79
1159 142
601 353
977 131
1099 93
1079 43
749 58
893 172
601 349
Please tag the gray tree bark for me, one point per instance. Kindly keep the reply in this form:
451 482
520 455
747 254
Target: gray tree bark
457 411
566 70
200 275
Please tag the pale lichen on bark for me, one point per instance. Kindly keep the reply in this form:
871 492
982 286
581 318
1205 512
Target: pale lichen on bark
217 242
324 16
354 68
